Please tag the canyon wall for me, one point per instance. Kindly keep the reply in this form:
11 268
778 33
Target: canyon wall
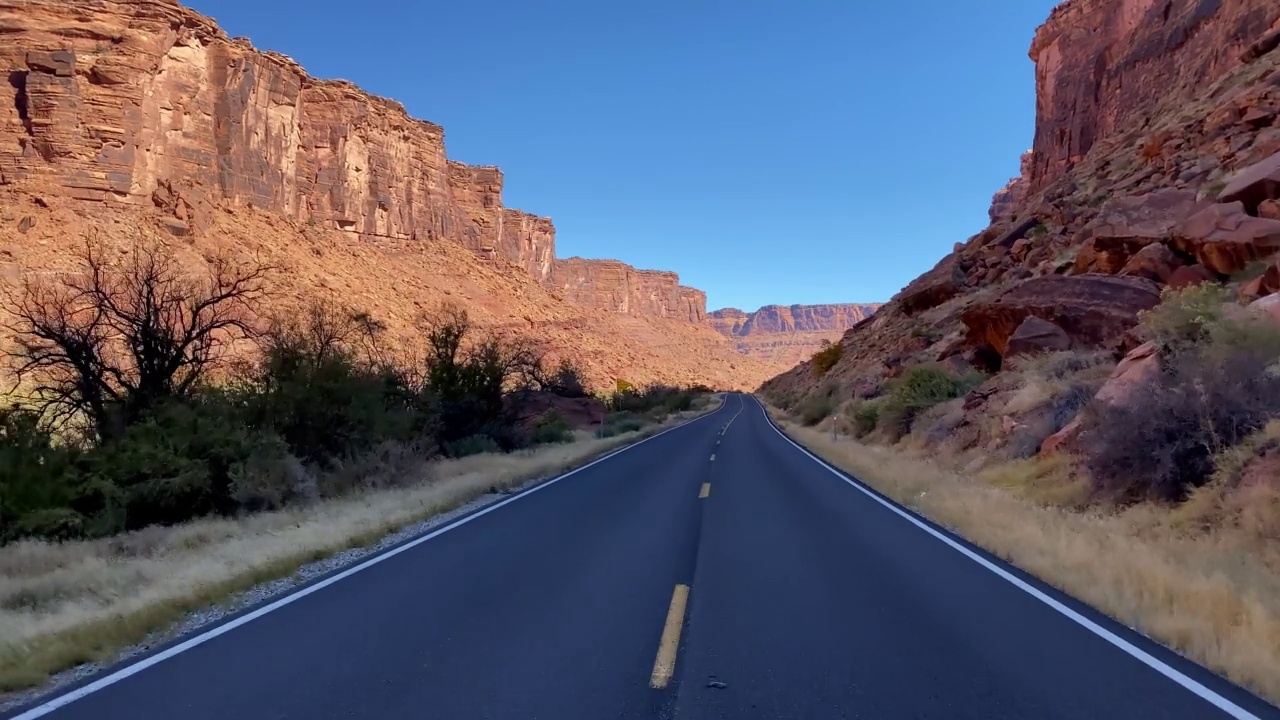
1100 63
150 104
775 319
787 333
618 287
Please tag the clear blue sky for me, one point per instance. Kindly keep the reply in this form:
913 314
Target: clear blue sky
770 151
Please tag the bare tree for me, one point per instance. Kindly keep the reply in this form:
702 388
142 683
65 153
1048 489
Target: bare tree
111 342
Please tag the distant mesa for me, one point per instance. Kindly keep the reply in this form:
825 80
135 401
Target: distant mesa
788 333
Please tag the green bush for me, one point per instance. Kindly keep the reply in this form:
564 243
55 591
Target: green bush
551 429
326 405
180 462
919 388
827 357
1216 387
656 400
814 409
36 496
1187 317
864 417
621 423
473 445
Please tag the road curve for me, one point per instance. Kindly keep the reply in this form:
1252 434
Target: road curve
704 573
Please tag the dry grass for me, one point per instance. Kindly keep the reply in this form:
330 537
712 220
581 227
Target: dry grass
1212 595
63 604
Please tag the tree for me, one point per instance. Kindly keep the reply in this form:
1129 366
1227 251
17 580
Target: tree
109 344
469 377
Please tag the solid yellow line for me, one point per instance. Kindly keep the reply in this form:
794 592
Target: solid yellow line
665 664
706 490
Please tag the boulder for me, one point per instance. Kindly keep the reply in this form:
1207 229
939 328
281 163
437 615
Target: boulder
1270 281
1093 310
1254 184
1251 290
1154 262
1189 276
1224 238
1268 307
1126 225
1035 336
1134 371
933 288
1269 209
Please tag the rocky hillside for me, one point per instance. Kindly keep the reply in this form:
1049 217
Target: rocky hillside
1156 163
133 118
787 334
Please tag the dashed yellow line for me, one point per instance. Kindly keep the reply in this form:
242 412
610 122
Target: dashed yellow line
706 490
665 664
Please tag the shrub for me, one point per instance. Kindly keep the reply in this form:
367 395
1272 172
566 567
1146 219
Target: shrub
827 357
814 409
551 429
919 388
1209 396
622 422
1186 317
35 496
179 463
657 399
473 445
864 417
325 406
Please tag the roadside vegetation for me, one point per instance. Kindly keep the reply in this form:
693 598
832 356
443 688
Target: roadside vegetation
1163 513
168 442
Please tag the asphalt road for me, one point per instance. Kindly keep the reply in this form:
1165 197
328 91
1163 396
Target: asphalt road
807 597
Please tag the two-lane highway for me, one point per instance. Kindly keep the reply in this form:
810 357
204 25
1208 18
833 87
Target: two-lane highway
704 573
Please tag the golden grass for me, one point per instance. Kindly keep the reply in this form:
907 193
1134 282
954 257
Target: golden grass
1212 595
63 604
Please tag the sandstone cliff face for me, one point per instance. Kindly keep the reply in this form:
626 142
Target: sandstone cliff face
145 102
123 113
143 95
776 319
787 334
618 287
1100 63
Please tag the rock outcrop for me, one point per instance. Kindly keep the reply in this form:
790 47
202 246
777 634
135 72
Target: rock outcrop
788 333
1007 199
618 287
1091 310
150 104
1101 63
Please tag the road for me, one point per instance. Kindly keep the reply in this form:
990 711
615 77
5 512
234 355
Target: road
704 573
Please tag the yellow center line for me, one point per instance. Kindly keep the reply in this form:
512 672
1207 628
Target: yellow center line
706 490
665 664
741 406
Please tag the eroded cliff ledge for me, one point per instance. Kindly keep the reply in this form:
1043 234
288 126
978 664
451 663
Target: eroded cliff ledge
148 103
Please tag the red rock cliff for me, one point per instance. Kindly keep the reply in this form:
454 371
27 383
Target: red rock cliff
618 287
776 319
1102 62
146 102
787 334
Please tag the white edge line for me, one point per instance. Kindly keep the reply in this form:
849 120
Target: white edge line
1146 658
129 670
